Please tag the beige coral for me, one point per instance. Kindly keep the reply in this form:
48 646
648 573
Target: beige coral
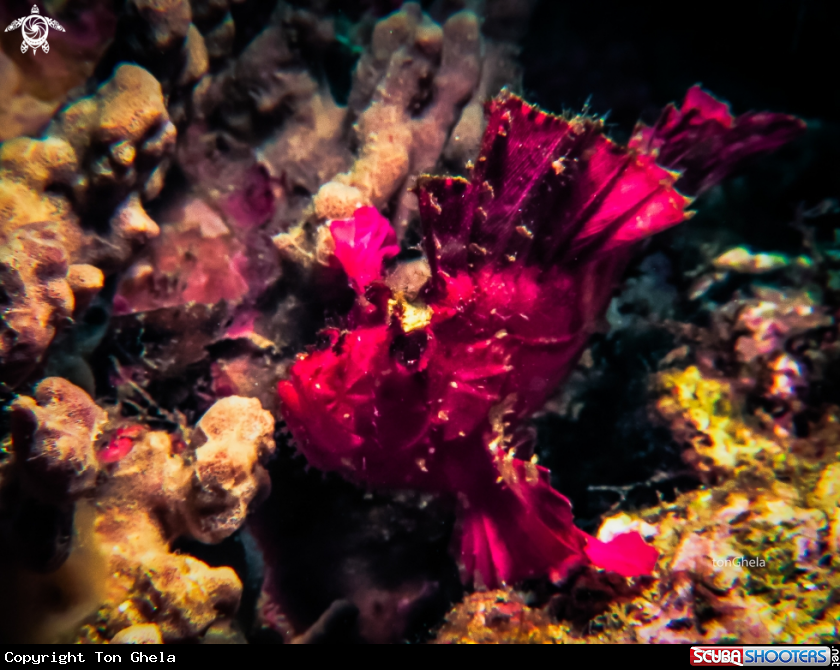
406 106
105 151
53 436
196 59
228 471
27 168
20 111
499 69
407 94
85 281
127 117
36 295
309 151
157 492
168 20
415 105
218 27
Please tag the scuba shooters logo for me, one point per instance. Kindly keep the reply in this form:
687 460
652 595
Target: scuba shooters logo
35 29
754 656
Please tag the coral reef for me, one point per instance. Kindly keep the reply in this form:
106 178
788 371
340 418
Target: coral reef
415 102
160 37
748 561
154 495
99 157
96 153
37 298
150 488
122 138
261 136
405 108
216 215
53 434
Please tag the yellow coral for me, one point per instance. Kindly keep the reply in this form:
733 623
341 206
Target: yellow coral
750 560
705 414
498 617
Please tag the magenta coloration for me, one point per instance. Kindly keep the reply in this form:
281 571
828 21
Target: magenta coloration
253 202
362 244
706 143
524 257
120 444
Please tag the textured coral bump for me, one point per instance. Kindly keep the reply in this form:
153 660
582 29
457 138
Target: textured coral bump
706 143
432 394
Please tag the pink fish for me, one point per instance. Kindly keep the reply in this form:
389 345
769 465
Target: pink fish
431 394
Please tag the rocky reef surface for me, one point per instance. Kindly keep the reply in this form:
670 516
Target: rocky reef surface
266 379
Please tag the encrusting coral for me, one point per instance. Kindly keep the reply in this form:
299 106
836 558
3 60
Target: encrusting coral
37 296
163 489
100 158
291 218
53 435
216 25
751 560
97 153
150 488
159 36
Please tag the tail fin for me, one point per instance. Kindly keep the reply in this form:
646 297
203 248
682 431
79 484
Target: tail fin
524 528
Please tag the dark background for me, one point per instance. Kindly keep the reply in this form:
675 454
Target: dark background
632 57
628 60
